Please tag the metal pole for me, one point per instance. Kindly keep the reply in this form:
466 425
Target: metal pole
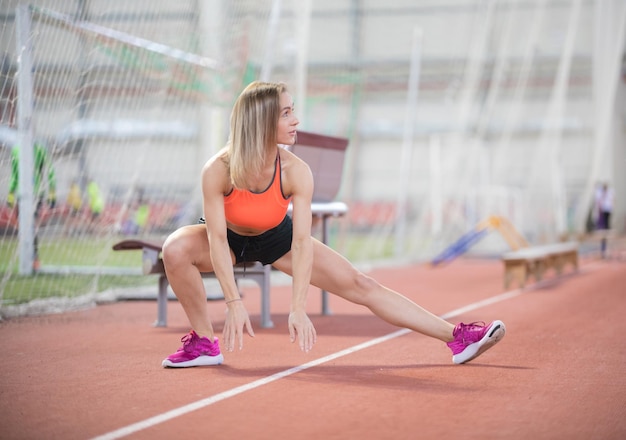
303 25
407 144
325 305
26 199
270 42
436 182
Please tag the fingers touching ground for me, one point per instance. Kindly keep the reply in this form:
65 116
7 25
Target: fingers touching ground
302 329
236 319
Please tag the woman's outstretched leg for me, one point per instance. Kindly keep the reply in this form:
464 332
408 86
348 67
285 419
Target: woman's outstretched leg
333 273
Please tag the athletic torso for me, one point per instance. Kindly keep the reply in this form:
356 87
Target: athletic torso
258 211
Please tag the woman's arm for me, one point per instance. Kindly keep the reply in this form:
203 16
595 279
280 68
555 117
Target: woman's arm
299 182
215 182
301 247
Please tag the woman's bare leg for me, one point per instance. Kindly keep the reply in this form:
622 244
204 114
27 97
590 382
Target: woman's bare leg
333 273
186 253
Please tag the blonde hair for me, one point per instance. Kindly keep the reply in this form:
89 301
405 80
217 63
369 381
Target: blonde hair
253 129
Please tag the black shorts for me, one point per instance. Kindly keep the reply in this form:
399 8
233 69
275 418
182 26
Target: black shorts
266 247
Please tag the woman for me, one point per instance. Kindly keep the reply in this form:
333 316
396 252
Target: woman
247 188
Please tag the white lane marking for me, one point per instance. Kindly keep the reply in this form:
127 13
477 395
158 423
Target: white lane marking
152 421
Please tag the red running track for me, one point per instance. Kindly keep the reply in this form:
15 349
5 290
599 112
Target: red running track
558 373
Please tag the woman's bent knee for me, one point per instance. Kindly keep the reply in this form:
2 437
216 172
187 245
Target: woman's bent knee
173 251
182 247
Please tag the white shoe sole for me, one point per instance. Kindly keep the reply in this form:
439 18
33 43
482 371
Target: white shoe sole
472 351
200 361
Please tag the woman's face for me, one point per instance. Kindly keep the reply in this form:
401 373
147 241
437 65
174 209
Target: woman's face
287 121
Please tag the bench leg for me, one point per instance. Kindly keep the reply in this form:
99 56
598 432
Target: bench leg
263 280
558 262
538 269
266 318
571 258
515 272
325 306
510 276
162 302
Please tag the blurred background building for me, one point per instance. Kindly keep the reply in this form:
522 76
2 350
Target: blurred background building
455 110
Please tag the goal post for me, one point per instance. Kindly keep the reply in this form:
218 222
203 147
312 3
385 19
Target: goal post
25 143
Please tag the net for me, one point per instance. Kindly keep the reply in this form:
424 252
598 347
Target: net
128 100
124 113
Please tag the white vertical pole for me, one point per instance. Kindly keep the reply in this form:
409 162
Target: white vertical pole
303 24
270 42
211 14
609 45
212 136
556 118
436 182
550 183
407 144
26 199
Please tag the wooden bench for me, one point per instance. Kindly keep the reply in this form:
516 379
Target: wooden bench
152 263
325 156
535 261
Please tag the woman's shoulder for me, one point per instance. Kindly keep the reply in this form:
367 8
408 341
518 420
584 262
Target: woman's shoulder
216 168
294 170
290 160
218 160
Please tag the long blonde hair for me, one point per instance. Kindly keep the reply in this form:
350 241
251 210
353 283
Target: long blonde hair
253 129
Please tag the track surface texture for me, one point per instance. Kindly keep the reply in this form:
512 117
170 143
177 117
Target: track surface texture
557 374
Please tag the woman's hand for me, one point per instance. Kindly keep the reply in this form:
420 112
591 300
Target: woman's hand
236 318
301 326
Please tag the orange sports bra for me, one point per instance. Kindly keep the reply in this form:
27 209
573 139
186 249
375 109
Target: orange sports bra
264 210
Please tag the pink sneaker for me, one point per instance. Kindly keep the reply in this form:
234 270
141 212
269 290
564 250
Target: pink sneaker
195 352
471 340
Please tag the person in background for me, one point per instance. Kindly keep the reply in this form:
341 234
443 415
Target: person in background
74 203
139 214
95 200
74 199
605 206
43 190
247 188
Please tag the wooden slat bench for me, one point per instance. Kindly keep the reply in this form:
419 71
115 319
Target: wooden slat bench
152 263
535 261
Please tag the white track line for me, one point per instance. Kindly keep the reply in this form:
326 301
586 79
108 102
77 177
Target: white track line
152 421
177 412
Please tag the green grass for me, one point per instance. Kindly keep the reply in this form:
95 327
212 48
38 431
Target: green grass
92 253
71 252
21 289
97 252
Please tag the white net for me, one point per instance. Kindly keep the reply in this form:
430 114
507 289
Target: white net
122 111
512 117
